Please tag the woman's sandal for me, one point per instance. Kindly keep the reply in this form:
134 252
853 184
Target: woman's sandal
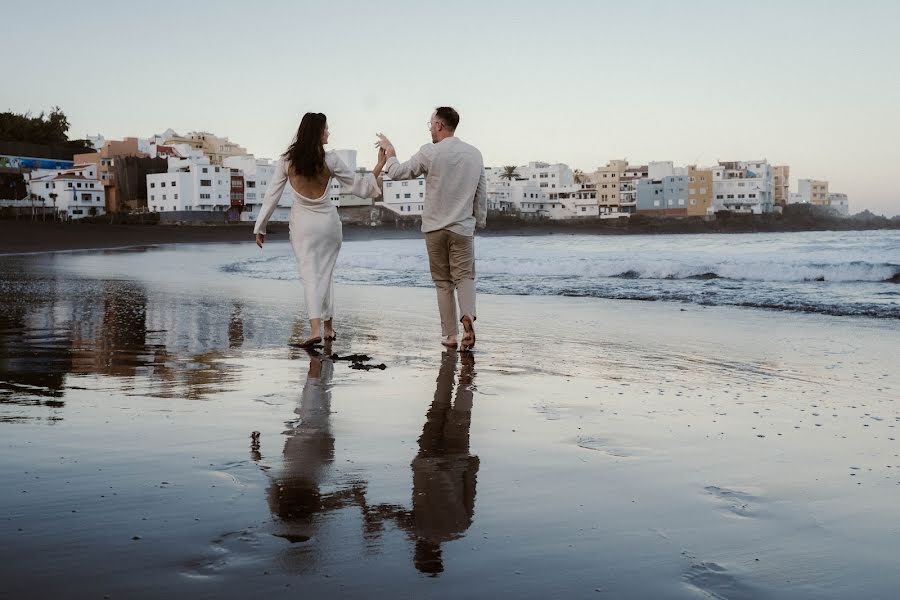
310 343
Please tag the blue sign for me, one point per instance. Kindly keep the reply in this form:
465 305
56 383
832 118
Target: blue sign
27 162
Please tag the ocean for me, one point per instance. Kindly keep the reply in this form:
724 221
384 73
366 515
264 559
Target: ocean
835 273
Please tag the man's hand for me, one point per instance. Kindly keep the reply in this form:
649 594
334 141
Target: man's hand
386 145
260 239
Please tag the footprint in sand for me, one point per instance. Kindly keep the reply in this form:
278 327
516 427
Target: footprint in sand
714 581
737 502
589 442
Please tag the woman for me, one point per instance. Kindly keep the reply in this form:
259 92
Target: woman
315 227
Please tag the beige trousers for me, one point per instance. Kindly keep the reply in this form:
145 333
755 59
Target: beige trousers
451 257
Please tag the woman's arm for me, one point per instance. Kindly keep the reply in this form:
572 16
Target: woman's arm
270 202
364 185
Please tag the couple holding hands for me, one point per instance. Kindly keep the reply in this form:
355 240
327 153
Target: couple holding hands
455 204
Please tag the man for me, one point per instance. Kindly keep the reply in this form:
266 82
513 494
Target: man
455 203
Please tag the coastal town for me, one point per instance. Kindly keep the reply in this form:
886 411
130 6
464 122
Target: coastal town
200 177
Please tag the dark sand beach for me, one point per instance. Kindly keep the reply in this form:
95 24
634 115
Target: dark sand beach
23 236
162 439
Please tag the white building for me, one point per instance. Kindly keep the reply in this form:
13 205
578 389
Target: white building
75 192
191 184
404 197
545 175
840 203
743 187
576 200
664 168
255 175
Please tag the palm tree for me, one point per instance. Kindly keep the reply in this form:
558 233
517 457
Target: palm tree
579 176
53 196
509 172
33 197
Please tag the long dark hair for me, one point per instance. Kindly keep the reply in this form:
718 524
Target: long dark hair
306 154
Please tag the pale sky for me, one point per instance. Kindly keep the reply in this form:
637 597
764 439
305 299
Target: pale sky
811 84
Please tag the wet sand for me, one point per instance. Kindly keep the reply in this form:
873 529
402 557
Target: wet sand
162 439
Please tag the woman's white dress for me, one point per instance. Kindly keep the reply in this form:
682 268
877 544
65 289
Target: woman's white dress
316 232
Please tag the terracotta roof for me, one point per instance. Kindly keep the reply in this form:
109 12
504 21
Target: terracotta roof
169 150
68 176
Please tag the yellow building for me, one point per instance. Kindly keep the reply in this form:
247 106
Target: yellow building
813 191
700 191
607 179
781 182
216 148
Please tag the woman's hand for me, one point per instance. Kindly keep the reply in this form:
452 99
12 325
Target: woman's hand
260 239
382 158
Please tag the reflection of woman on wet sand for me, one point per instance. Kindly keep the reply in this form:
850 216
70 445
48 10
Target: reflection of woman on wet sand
294 496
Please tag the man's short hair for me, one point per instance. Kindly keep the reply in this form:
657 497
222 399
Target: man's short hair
448 116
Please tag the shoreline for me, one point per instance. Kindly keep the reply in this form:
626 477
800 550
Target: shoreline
33 237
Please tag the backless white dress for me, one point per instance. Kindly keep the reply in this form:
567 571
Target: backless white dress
316 232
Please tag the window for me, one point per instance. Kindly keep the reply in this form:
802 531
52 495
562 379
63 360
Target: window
86 197
79 185
173 207
421 195
407 196
404 183
176 196
162 184
656 203
153 198
730 196
173 184
681 202
397 196
205 170
720 197
217 169
152 184
205 182
164 197
421 182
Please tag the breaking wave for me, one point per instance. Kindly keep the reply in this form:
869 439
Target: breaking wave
831 273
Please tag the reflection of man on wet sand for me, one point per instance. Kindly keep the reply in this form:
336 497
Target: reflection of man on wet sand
444 473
